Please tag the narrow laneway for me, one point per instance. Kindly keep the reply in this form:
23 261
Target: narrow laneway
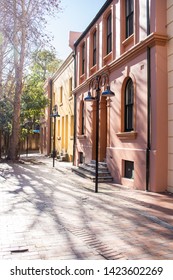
51 213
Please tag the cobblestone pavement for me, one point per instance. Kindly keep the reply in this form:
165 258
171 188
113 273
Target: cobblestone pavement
51 213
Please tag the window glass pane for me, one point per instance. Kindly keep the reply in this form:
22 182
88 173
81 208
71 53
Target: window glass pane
94 48
109 34
94 40
129 102
83 58
129 17
82 118
129 7
129 169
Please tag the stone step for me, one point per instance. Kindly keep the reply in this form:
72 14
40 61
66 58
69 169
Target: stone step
88 171
62 157
100 163
93 166
102 172
85 174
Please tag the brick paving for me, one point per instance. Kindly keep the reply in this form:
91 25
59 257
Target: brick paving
51 213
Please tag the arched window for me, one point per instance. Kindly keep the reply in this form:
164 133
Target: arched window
81 119
82 127
129 106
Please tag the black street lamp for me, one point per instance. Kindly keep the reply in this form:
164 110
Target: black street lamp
54 115
95 84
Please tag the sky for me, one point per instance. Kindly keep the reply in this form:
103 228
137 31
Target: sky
76 15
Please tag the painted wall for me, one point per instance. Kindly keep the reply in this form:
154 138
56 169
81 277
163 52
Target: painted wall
128 58
170 93
62 87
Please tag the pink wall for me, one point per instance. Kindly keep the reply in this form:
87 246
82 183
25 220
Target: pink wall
129 59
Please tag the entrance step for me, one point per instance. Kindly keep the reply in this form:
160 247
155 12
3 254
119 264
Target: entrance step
62 156
87 170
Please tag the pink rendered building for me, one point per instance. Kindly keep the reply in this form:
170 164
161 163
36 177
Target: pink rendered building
127 40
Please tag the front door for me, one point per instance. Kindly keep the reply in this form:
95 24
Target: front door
102 129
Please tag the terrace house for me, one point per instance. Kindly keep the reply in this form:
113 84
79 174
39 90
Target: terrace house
127 39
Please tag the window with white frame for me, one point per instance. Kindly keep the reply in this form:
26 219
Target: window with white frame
129 106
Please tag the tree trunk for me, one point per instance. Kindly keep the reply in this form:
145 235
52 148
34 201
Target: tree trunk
14 140
19 56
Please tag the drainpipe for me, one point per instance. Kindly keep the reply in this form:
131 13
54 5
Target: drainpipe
50 121
74 139
148 102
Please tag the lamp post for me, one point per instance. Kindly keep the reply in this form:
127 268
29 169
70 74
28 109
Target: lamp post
95 84
54 115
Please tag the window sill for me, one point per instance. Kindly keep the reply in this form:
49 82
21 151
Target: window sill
128 179
82 78
127 182
93 69
70 98
82 136
71 137
107 58
128 40
127 135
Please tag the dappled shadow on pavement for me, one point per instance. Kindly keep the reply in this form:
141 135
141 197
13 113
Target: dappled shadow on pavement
58 216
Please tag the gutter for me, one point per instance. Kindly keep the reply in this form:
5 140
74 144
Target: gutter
148 149
103 8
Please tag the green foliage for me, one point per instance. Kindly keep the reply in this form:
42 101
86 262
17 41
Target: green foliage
22 31
44 63
33 100
5 116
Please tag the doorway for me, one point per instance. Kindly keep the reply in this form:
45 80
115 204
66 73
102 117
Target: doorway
102 129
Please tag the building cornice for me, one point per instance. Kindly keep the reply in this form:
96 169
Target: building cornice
98 15
86 82
152 40
63 66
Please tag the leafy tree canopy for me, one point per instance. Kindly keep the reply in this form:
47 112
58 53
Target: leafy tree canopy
6 110
23 30
44 63
33 101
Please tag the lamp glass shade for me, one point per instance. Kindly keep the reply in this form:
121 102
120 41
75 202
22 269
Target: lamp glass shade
108 92
89 97
55 111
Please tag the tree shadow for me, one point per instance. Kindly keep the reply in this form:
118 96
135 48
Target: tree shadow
67 207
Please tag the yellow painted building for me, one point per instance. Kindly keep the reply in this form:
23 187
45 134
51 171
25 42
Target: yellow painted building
62 87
